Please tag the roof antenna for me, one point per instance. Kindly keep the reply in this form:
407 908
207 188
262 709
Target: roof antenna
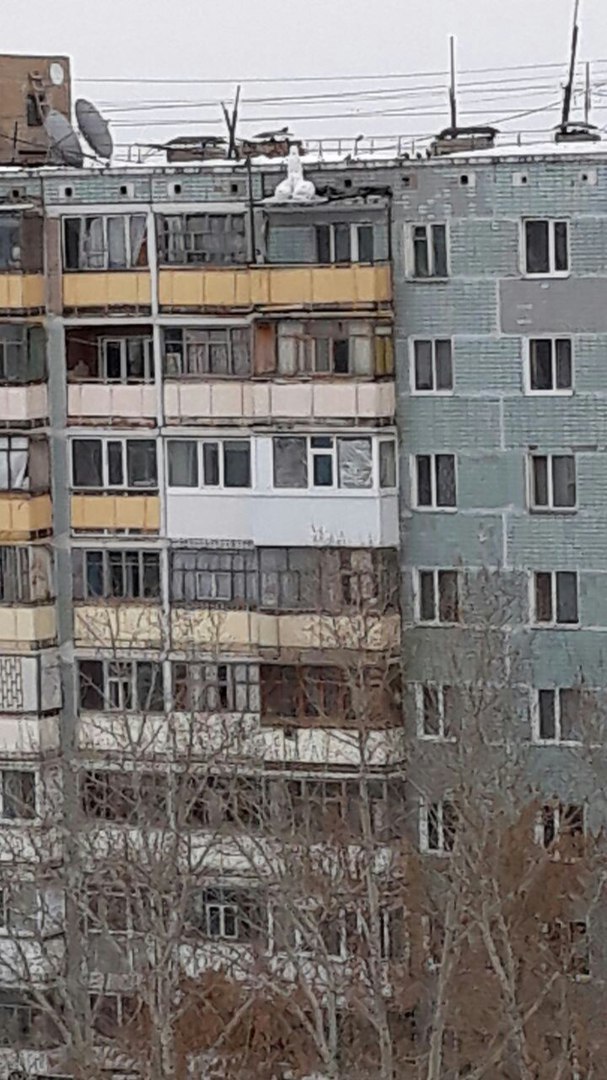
575 131
452 85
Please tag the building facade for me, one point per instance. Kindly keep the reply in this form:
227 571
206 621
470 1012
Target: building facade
256 452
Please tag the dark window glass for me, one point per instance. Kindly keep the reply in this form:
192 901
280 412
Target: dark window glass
210 458
448 596
566 597
424 480
323 470
323 244
540 481
87 463
114 464
546 708
541 365
445 480
424 375
420 252
94 573
543 597
439 250
444 366
537 248
141 463
561 256
564 370
431 711
343 252
427 599
91 684
563 480
366 252
237 463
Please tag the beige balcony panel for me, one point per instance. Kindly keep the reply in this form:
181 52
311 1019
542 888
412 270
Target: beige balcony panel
320 746
209 629
213 400
102 399
24 402
121 626
21 291
274 286
21 516
23 737
140 513
23 627
114 288
338 632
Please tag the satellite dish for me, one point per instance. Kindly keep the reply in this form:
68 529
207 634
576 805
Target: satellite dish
94 128
57 74
63 139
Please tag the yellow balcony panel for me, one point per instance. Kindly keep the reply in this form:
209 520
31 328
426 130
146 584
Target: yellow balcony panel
275 286
114 288
309 631
20 292
140 513
124 625
23 516
24 627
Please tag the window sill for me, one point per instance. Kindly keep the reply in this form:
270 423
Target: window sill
553 511
449 740
433 393
554 626
430 280
529 392
568 744
545 275
435 509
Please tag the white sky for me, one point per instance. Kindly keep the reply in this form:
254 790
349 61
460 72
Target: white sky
232 39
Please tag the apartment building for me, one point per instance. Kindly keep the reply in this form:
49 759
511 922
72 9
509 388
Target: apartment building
199 500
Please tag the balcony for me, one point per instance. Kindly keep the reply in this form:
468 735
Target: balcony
21 292
100 291
135 513
218 401
245 630
22 516
118 625
88 400
27 627
24 402
351 286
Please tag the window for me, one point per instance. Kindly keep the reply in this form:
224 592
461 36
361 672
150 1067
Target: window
555 598
194 239
196 463
207 351
24 574
289 692
121 685
33 111
569 942
331 347
318 806
429 251
14 475
111 1013
114 463
18 1017
434 711
553 481
110 795
324 461
215 688
216 801
432 366
22 354
226 914
18 794
126 359
560 821
105 243
387 463
438 822
437 596
550 368
435 481
556 715
345 242
128 574
214 577
546 247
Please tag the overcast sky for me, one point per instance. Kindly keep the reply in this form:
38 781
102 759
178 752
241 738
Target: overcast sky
210 39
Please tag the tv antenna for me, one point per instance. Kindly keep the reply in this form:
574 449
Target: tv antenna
580 130
452 83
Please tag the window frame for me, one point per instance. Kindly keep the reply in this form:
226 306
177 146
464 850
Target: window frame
35 787
551 272
332 452
550 507
129 675
560 813
123 342
426 807
354 242
535 710
554 621
221 442
182 355
433 507
553 339
436 579
81 554
445 732
433 342
105 218
411 238
186 247
125 441
8 449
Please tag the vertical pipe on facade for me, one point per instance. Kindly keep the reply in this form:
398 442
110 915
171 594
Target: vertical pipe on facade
61 543
160 459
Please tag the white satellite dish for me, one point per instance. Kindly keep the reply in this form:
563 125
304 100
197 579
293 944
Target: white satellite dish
57 74
65 147
94 128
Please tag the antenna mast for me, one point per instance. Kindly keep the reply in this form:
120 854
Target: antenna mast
452 86
569 84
